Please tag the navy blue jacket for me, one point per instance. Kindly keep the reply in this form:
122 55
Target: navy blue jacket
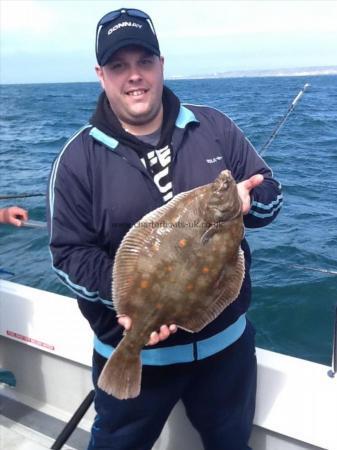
99 188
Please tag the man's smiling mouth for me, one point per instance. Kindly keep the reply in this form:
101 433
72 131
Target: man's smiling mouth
136 92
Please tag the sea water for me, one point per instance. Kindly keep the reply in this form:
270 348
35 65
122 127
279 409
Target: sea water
292 309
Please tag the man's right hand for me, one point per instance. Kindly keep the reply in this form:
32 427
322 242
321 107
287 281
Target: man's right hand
156 336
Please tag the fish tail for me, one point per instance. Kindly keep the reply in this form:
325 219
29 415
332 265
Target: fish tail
121 375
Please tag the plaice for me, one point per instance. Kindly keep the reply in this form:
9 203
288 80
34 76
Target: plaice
183 264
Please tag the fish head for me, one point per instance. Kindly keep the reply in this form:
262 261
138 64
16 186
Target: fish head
224 201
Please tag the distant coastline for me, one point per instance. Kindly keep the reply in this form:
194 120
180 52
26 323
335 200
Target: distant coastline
293 72
288 72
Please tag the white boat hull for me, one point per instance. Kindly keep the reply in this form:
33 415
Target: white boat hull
47 344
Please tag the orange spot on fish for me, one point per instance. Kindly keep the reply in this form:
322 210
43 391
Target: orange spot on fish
205 269
144 284
189 287
169 268
182 243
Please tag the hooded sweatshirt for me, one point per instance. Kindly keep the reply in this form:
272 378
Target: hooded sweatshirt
105 180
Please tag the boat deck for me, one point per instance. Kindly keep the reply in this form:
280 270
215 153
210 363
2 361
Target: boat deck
25 428
16 436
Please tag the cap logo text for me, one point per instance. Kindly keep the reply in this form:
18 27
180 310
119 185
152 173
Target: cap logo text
124 24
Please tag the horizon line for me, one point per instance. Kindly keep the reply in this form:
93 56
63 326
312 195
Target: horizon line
250 73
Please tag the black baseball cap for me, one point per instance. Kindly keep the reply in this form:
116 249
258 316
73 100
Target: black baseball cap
122 28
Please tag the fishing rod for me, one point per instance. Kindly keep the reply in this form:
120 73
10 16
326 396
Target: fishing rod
12 196
34 224
284 118
27 223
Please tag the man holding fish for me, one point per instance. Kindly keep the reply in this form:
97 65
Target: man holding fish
147 159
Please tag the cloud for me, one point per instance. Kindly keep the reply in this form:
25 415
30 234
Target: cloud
55 37
45 26
26 16
222 18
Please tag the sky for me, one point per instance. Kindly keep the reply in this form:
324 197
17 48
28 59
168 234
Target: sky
45 41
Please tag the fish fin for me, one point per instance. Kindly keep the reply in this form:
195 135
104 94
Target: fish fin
124 268
226 291
218 227
208 234
121 375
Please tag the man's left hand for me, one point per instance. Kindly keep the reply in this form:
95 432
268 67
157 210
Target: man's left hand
244 188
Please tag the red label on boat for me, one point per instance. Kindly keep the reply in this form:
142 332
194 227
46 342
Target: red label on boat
21 337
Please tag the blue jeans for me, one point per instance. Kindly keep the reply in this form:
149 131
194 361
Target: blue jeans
218 393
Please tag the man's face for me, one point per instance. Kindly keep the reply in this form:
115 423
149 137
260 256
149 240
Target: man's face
133 83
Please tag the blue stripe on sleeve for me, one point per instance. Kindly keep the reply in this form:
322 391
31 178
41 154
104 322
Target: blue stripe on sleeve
266 215
270 205
64 277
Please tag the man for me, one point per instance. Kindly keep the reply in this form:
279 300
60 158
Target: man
13 215
140 149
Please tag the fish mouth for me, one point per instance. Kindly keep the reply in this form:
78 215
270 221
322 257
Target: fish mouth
224 181
223 185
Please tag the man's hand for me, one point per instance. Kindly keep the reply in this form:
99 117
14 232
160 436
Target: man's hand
244 189
13 215
165 331
155 337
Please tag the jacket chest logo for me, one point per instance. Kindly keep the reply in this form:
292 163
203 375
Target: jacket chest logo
214 160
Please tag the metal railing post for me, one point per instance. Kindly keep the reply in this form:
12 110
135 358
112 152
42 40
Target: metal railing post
332 372
73 422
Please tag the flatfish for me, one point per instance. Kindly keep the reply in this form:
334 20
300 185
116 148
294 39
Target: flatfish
180 264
